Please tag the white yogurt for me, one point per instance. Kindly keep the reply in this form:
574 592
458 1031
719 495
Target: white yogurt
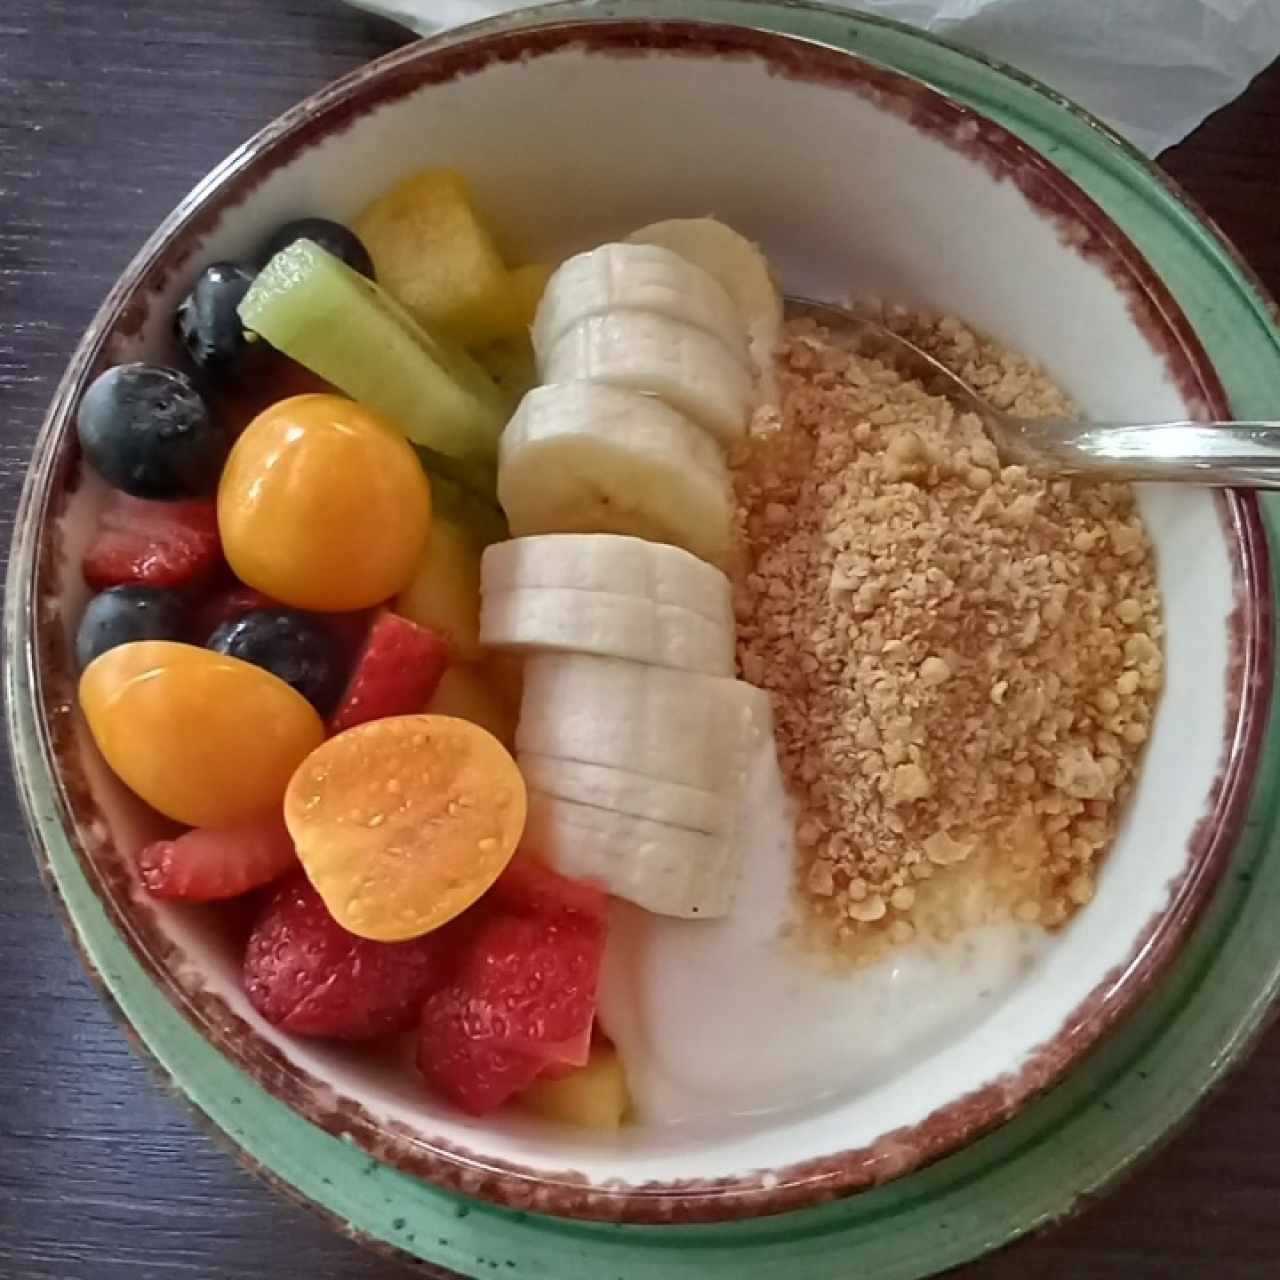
722 1019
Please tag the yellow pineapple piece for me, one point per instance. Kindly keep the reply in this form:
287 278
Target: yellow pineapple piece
433 255
593 1097
444 593
528 284
510 363
468 693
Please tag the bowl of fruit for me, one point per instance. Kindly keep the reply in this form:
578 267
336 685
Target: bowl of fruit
578 728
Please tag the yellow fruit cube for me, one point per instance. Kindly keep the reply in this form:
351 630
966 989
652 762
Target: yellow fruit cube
431 252
444 593
593 1097
528 284
510 363
469 694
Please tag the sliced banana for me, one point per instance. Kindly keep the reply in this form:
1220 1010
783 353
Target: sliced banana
678 726
622 791
583 458
739 266
610 562
668 870
559 619
637 277
686 368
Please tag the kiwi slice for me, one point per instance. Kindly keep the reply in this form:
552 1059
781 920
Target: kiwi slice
317 310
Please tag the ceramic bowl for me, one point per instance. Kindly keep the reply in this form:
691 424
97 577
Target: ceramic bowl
857 180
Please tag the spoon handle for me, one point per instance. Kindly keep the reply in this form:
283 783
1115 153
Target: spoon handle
1241 455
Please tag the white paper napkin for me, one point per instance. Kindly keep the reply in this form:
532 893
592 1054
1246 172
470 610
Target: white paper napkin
1153 69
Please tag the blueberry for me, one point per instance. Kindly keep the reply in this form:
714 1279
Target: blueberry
121 615
209 324
340 241
147 430
297 648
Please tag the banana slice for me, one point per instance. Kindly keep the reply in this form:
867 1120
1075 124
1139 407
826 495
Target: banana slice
610 562
637 277
739 266
686 368
558 619
621 791
668 870
678 726
583 458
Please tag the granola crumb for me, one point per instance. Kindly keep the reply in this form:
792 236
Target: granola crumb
963 658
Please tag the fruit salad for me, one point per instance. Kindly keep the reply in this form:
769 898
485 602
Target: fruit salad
433 652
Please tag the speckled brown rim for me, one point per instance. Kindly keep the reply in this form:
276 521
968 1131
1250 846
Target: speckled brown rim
569 1193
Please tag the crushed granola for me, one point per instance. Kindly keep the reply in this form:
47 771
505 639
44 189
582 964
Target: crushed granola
963 658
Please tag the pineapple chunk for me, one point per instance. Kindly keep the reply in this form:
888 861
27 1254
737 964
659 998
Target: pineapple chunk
431 252
510 363
528 284
468 693
444 593
593 1097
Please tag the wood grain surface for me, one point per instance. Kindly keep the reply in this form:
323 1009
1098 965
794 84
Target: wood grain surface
109 112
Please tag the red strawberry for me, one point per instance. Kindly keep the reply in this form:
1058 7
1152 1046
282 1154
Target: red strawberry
522 999
529 886
209 865
153 544
472 1073
395 674
307 975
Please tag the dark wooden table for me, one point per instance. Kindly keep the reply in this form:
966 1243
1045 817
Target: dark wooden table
108 114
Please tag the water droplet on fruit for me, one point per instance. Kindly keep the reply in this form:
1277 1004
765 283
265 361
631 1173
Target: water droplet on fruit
487 845
377 819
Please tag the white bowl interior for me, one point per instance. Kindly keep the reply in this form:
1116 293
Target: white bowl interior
567 150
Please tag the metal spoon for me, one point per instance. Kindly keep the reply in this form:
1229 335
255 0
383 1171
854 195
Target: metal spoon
1244 455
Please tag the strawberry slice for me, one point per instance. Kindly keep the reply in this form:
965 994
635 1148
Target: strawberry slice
209 865
396 673
307 975
154 544
529 887
522 999
475 1076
